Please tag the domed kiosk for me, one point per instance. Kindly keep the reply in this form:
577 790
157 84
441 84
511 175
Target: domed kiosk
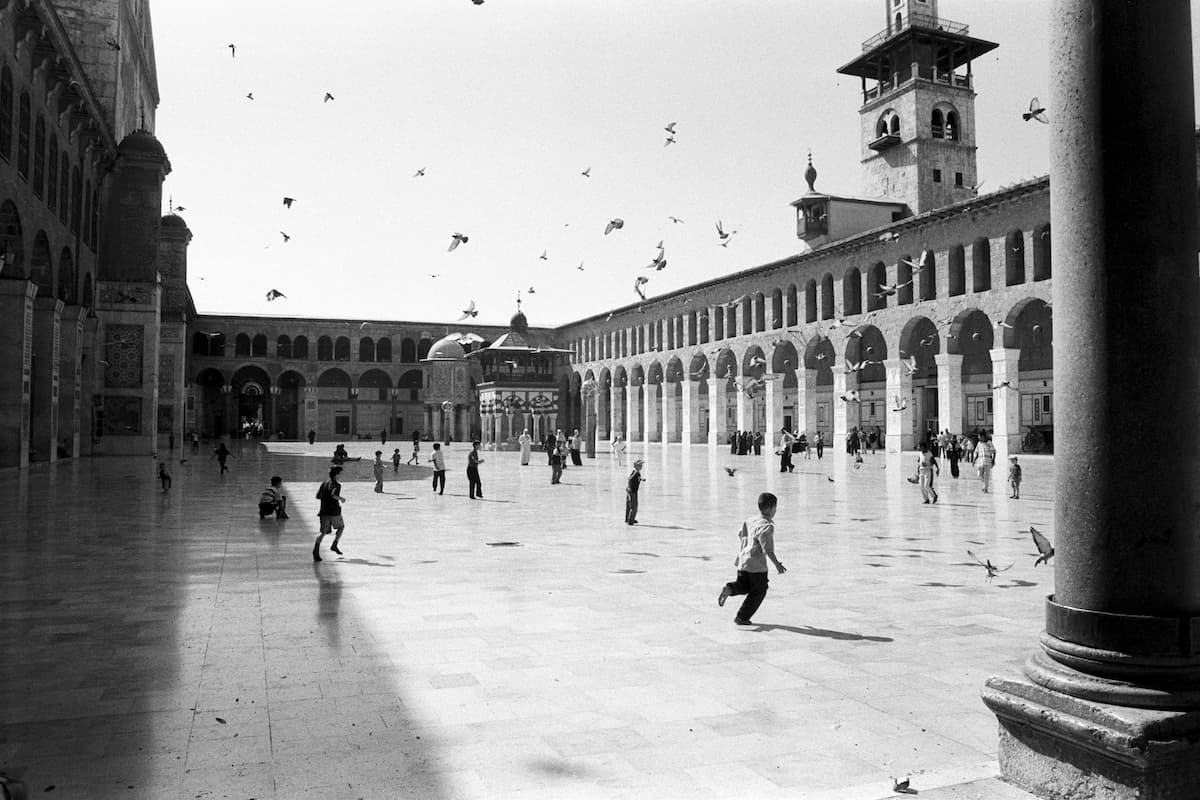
449 390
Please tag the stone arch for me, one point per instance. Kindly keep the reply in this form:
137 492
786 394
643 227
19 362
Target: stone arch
726 365
383 349
68 279
784 358
373 386
408 351
827 296
341 348
810 301
41 265
852 292
366 349
866 344
754 362
1041 252
956 262
1014 258
411 379
251 390
337 381
258 346
300 347
777 308
283 346
1029 327
981 265
423 347
876 281
928 277
698 368
289 404
971 336
919 340
819 355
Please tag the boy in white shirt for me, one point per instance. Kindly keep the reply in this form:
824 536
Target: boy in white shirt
757 546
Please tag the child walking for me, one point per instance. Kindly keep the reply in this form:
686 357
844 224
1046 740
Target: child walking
927 467
377 467
396 460
415 458
631 492
1014 477
757 546
439 468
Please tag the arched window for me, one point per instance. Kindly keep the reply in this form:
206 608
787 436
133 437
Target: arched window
408 351
981 265
792 311
68 282
894 125
937 124
904 281
383 349
1041 252
6 112
718 323
876 281
777 308
23 126
39 156
241 345
258 346
366 349
64 189
827 296
957 270
852 291
748 310
300 347
199 344
1014 258
810 301
283 347
928 282
952 130
76 199
341 349
52 174
423 348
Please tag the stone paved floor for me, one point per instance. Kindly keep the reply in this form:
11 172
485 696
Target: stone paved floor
170 645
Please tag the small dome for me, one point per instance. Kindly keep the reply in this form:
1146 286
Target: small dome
173 221
142 143
446 349
518 323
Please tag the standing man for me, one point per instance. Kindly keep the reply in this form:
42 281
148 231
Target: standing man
785 450
474 485
556 463
525 440
378 468
820 445
576 444
330 514
631 492
439 468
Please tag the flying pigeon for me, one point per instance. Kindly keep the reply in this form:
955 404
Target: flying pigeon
670 141
721 231
587 173
670 128
674 220
531 291
850 396
112 44
455 240
614 225
1004 385
273 294
287 201
991 568
1043 545
419 173
902 787
232 50
286 238
543 256
469 311
909 364
328 97
1036 111
249 95
898 404
638 284
731 471
580 267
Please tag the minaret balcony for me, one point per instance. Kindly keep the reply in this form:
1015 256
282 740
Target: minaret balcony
916 20
898 81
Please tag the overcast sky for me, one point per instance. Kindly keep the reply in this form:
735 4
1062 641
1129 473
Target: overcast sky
504 105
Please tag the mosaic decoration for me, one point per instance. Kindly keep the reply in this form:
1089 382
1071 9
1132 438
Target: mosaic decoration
166 376
123 352
122 415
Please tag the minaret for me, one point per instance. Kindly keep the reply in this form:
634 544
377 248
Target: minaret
918 111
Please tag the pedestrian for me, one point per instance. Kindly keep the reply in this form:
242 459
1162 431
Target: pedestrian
757 545
576 446
820 445
548 446
618 449
954 453
330 513
927 467
377 467
195 442
475 486
985 459
785 450
273 500
804 448
632 485
164 477
560 441
415 458
1014 477
439 469
312 436
556 463
383 436
220 454
758 442
525 440
396 459
734 438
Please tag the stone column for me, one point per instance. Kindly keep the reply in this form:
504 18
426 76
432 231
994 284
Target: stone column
16 349
308 414
614 412
950 393
232 423
633 414
89 385
650 404
806 403
745 408
70 395
1109 706
43 409
716 411
393 397
899 434
773 395
845 413
670 430
1006 405
354 412
498 429
690 414
272 426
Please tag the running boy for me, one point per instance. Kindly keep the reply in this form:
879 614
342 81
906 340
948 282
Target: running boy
330 495
1014 477
757 545
273 500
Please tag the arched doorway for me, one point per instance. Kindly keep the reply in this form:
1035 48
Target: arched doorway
971 337
919 346
252 388
1029 327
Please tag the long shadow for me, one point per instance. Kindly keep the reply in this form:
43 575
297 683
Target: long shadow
825 633
665 527
362 561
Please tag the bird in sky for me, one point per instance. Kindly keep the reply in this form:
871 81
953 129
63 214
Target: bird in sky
670 128
674 220
722 234
638 283
898 404
614 225
249 95
531 291
909 364
731 471
455 240
419 173
587 173
477 2
287 201
1036 111
328 97
543 256
180 208
232 50
286 238
987 564
1043 545
670 141
274 294
580 267
469 311
891 289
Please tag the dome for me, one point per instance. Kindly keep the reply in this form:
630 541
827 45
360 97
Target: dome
141 143
518 323
173 221
446 349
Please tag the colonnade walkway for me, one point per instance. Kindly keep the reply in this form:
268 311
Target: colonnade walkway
170 645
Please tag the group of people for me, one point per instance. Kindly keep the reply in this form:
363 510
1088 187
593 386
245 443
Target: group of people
790 443
858 441
742 443
976 449
558 447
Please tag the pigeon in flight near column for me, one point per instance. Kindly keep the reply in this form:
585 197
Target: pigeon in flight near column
1036 111
987 564
455 240
614 225
850 396
274 294
1043 545
898 404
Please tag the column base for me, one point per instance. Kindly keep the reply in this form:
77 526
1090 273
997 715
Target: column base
1066 748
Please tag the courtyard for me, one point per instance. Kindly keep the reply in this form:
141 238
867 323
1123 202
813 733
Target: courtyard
529 645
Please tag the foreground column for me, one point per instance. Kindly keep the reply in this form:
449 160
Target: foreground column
693 430
650 412
845 412
1006 405
16 347
670 427
717 429
773 397
615 404
1110 705
633 413
899 434
950 394
806 403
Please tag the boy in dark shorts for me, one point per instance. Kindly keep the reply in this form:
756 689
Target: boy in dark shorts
757 546
330 495
273 500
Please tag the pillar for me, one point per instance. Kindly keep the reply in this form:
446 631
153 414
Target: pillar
899 434
691 412
650 408
89 385
43 408
745 409
271 427
773 395
69 377
231 415
670 428
717 431
633 414
806 403
1109 704
614 412
1006 405
845 413
16 348
950 393
309 421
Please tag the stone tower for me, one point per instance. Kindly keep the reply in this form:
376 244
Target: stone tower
918 112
